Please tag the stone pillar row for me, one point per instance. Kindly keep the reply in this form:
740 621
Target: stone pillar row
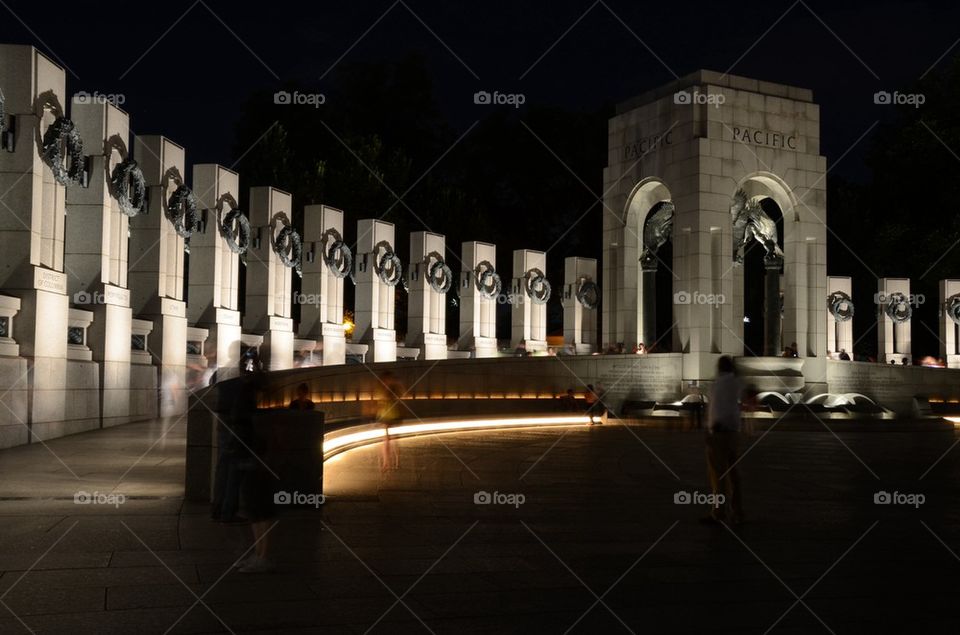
100 323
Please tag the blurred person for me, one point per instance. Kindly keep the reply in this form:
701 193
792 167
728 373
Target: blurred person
302 400
234 429
390 414
844 357
568 401
258 480
590 400
724 425
600 407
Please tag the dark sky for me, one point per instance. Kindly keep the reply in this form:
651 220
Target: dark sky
185 67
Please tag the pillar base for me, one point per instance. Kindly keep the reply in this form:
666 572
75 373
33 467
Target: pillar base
482 347
433 346
383 345
334 345
168 344
109 340
276 352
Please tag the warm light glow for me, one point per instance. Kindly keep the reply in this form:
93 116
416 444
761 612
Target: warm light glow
339 440
348 326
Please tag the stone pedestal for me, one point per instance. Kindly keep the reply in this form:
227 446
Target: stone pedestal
893 338
375 299
426 307
13 377
529 316
157 267
214 269
269 281
949 316
478 299
839 334
321 309
580 321
109 340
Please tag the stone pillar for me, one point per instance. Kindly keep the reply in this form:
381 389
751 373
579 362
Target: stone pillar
950 322
31 236
269 281
648 305
772 314
321 312
375 298
839 334
96 253
478 299
580 318
426 306
531 292
215 268
156 268
893 337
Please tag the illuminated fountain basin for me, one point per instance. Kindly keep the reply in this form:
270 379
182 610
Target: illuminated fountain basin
344 439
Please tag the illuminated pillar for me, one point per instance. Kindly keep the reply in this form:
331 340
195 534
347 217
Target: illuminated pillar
321 309
480 290
269 280
429 279
215 266
378 272
530 294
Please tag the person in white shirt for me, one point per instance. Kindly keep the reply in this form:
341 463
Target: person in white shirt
724 425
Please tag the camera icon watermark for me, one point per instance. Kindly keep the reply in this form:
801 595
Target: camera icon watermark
899 498
484 497
696 297
298 498
885 98
83 97
696 98
85 297
296 98
684 497
98 498
496 98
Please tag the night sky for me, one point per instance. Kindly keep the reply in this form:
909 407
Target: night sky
186 67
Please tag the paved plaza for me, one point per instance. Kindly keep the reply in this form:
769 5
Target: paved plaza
593 541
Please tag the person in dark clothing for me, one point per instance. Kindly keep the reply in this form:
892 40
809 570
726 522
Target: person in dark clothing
303 401
259 481
232 439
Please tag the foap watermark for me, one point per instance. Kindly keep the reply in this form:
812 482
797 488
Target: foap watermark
913 299
484 497
696 297
98 498
896 98
698 498
83 97
86 297
899 498
496 98
696 98
308 299
296 98
298 498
